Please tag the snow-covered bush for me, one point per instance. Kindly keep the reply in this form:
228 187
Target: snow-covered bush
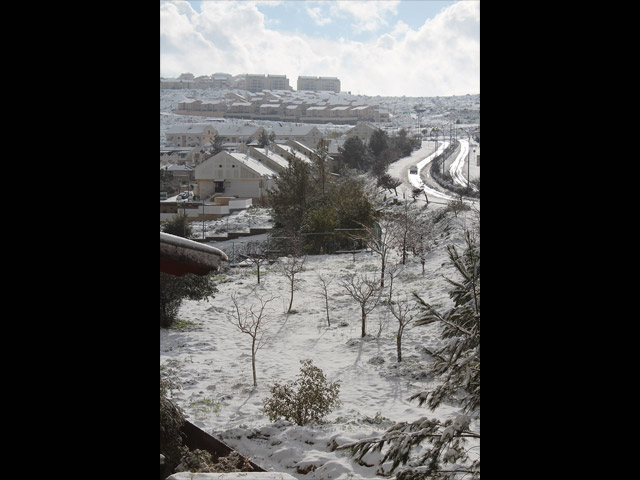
309 398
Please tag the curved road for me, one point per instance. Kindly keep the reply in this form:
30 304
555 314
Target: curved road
422 158
456 166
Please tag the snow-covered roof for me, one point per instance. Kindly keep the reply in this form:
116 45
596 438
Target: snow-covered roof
280 160
179 256
303 146
179 167
176 149
227 130
295 153
288 129
190 128
253 164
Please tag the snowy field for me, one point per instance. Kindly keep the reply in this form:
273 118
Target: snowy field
211 358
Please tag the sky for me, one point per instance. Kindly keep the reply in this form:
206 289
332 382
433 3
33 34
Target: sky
416 48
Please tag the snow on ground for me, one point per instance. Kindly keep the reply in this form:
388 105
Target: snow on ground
212 359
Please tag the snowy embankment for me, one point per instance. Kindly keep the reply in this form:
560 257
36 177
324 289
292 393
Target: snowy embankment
458 164
211 360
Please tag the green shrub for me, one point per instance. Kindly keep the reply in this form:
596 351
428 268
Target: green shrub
171 421
174 289
177 225
309 398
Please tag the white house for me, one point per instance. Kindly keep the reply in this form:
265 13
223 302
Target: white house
176 155
234 174
189 134
306 134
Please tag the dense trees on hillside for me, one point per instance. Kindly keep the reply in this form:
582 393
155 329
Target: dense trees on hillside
380 151
305 206
310 203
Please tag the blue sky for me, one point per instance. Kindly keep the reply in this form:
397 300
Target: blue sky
394 48
296 16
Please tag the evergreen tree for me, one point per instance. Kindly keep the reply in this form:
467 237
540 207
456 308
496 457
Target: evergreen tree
293 192
378 142
354 153
404 143
321 162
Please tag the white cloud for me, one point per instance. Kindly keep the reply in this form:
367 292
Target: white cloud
367 15
440 58
318 16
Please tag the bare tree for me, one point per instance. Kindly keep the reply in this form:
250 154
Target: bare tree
253 323
423 238
256 254
405 222
363 289
324 293
290 267
380 238
457 205
402 310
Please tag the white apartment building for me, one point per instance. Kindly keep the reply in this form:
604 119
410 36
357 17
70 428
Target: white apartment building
258 82
318 84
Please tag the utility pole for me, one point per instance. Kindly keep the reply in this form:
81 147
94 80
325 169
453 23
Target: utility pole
468 163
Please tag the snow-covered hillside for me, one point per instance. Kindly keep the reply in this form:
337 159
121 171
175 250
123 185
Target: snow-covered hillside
211 359
409 113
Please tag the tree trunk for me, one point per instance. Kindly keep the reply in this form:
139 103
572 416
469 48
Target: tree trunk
399 344
291 300
326 301
253 361
364 321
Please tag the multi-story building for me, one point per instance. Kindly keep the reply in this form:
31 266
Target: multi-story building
319 84
259 82
189 135
221 80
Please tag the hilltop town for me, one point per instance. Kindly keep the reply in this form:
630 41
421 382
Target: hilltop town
252 134
317 100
